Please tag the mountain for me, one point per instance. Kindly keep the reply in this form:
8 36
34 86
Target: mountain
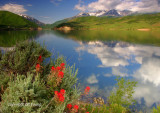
10 20
132 22
32 19
113 12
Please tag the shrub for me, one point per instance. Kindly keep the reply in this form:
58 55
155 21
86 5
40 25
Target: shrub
122 97
22 92
26 85
23 58
156 110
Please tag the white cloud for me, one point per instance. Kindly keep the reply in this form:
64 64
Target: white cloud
80 6
15 8
149 70
140 6
92 79
148 92
56 2
119 71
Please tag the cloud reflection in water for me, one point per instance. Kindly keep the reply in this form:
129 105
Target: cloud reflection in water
120 55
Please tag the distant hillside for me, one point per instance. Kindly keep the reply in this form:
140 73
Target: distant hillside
49 26
141 21
10 20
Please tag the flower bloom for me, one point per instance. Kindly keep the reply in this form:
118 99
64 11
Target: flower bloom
40 59
38 67
52 68
87 112
58 68
60 74
76 107
60 95
62 91
62 64
87 90
69 106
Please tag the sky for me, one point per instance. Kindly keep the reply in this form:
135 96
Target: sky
50 11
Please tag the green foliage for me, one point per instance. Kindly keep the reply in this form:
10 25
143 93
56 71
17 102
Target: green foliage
118 102
122 97
24 90
23 58
156 110
10 20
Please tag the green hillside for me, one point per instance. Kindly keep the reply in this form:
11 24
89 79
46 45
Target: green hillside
147 21
10 20
49 26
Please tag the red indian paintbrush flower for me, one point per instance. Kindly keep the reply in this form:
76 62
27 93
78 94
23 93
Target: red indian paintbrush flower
40 59
62 91
58 68
87 90
52 68
60 74
62 64
69 106
76 107
60 95
38 67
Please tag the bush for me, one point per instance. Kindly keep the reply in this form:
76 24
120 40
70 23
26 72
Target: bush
122 97
22 91
26 82
23 58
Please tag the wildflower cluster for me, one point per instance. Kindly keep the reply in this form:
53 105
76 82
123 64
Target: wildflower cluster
56 75
87 89
59 96
38 66
73 109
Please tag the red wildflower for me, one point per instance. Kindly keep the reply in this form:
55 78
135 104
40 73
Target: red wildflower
76 107
62 91
69 106
87 112
58 68
52 68
60 74
56 93
87 90
40 59
61 98
38 67
62 64
60 95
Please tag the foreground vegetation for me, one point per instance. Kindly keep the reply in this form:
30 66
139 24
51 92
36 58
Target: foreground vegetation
31 83
11 21
133 22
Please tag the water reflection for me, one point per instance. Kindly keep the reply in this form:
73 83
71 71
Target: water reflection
139 62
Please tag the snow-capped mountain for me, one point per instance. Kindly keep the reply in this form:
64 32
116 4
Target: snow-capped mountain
32 19
112 12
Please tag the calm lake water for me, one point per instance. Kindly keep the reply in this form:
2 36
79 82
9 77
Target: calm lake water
101 56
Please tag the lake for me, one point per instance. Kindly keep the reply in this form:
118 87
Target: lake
101 56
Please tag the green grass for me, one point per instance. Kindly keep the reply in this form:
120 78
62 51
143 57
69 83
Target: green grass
150 21
10 20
